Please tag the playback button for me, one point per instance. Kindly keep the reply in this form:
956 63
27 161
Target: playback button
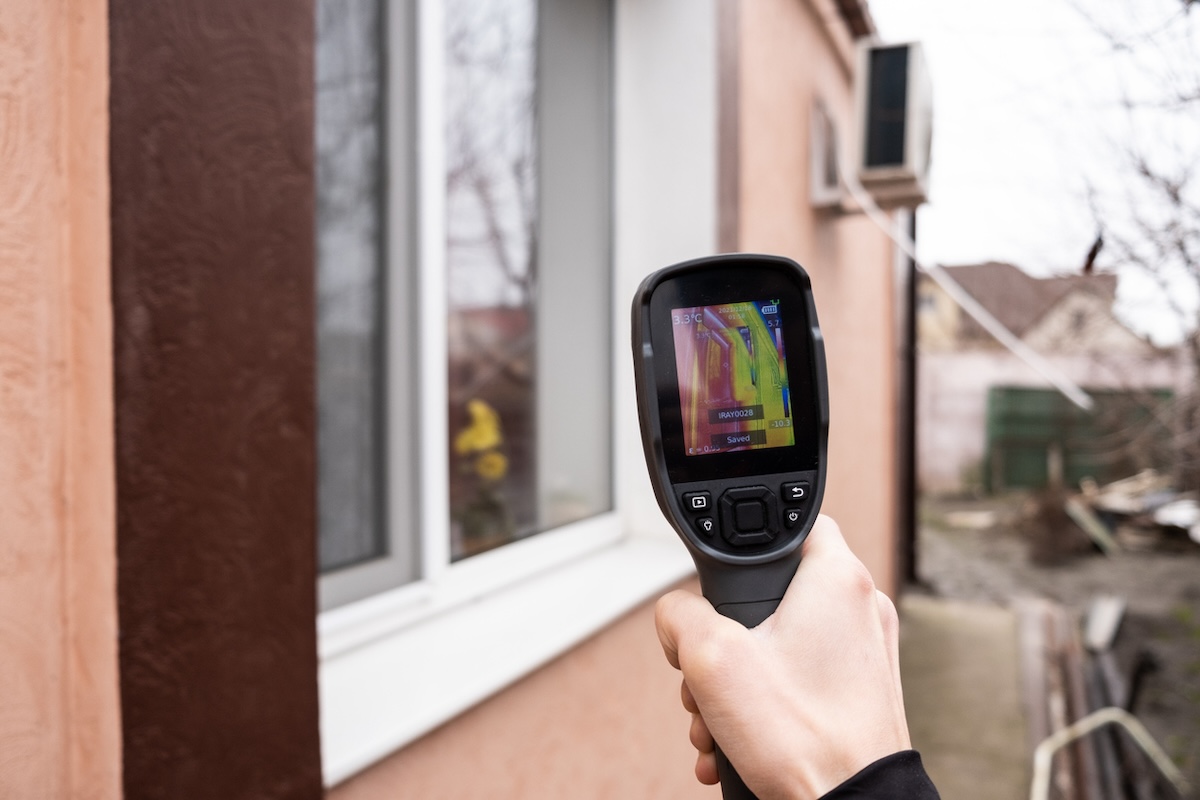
697 501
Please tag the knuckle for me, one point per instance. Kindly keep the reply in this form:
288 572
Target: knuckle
710 654
855 579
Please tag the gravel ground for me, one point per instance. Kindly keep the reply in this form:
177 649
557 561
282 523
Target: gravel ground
980 551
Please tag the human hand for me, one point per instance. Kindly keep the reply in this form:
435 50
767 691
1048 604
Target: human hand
804 700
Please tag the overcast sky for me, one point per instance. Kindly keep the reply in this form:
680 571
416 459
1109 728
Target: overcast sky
1029 116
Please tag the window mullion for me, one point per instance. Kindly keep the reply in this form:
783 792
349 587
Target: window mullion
431 458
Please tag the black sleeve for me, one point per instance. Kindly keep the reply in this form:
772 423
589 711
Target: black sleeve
900 776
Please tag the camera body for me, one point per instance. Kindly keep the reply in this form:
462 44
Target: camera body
734 408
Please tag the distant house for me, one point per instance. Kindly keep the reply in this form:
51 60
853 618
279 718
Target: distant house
985 418
1062 314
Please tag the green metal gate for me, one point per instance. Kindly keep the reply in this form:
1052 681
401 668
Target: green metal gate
1034 432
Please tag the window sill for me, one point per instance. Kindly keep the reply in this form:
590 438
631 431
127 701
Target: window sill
380 696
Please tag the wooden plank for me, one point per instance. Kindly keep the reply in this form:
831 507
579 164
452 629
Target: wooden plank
1086 770
1085 518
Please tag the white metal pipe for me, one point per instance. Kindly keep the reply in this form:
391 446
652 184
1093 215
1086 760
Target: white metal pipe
1044 754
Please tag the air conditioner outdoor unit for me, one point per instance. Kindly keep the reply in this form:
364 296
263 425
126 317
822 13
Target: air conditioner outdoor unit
895 123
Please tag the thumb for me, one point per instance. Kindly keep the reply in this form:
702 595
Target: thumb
690 630
681 617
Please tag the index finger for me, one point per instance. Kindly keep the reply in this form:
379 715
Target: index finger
824 540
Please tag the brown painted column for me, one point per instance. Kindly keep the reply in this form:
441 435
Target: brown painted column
212 228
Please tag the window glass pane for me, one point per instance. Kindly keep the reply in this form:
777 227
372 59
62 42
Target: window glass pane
575 308
491 227
350 258
527 173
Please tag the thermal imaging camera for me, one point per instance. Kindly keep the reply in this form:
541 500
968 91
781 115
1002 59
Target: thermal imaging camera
734 406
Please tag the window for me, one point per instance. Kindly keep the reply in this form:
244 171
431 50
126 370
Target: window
365 538
529 340
825 188
491 269
465 347
513 279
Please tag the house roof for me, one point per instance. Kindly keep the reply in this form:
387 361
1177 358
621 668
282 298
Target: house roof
1017 299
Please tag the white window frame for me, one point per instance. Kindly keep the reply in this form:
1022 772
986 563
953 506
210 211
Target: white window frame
398 664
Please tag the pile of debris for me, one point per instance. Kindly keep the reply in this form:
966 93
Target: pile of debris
1081 708
1137 513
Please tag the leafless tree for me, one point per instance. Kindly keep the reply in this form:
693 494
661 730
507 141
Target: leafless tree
1151 223
490 128
491 179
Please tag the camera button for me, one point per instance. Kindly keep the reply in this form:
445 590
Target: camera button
795 492
762 537
749 516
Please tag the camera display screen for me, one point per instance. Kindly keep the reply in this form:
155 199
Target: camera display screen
732 375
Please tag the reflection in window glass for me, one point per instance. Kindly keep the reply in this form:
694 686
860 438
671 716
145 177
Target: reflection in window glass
350 257
491 255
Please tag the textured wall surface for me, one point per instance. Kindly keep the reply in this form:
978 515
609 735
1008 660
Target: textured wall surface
212 226
794 54
604 721
59 710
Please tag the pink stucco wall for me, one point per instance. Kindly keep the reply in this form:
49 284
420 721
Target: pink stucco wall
603 721
59 709
793 54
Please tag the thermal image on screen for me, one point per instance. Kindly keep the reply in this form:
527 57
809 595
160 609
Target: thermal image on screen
733 385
